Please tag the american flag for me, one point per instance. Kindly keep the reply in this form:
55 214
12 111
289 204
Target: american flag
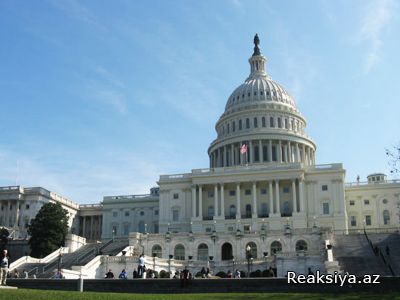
243 149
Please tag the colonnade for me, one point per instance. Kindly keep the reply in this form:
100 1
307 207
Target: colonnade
11 212
274 203
260 151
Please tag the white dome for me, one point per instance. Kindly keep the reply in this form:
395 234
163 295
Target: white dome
258 90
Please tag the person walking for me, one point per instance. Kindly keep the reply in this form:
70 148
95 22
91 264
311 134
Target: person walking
4 264
141 266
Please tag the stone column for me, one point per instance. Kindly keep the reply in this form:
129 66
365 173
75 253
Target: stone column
290 152
251 148
238 201
91 235
241 156
298 158
215 200
269 158
222 201
279 151
84 227
260 152
254 201
278 205
301 195
308 156
225 163
271 199
232 155
200 202
16 214
303 159
193 201
294 196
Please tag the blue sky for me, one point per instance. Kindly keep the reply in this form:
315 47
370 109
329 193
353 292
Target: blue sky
101 97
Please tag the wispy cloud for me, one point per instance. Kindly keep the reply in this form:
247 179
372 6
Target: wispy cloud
75 9
105 88
375 20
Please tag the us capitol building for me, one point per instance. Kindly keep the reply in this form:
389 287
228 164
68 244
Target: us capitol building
263 196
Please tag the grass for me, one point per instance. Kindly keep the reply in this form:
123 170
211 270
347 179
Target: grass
25 294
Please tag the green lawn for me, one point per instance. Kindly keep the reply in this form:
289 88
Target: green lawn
40 294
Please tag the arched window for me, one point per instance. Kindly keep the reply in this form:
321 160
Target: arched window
386 217
226 251
240 124
255 123
253 250
301 246
141 227
271 122
276 247
156 251
247 123
179 252
248 210
210 211
263 121
202 252
232 211
233 126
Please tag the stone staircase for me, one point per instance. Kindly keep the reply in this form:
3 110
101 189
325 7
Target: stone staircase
80 257
393 242
356 256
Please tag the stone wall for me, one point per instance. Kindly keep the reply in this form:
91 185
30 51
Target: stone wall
165 286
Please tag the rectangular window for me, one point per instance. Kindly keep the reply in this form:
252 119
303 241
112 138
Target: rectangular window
175 215
286 190
126 229
233 126
115 214
210 194
127 214
247 192
176 196
156 228
366 202
246 228
263 121
156 212
255 123
208 229
353 221
279 123
27 206
368 220
325 208
247 123
232 193
263 191
352 202
271 122
286 124
324 187
240 124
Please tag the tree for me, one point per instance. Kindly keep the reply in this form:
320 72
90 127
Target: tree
3 238
48 229
394 159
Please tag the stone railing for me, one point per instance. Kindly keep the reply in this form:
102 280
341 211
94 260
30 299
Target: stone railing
364 183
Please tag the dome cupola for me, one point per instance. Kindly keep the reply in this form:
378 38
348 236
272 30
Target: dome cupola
261 115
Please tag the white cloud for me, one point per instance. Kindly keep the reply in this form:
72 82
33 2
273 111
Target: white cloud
375 20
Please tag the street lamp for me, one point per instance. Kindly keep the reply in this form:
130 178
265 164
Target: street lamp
249 258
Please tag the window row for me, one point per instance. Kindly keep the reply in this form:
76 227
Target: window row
127 213
368 219
272 122
250 251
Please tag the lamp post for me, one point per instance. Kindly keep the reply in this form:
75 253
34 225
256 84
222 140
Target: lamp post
248 255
